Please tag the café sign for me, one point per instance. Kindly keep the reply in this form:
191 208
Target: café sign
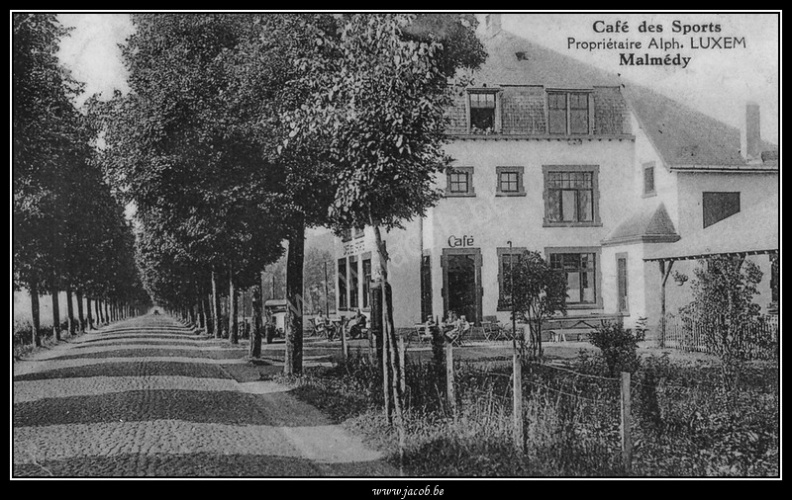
461 241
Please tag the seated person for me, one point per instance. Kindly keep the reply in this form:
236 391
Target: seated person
323 326
460 326
358 324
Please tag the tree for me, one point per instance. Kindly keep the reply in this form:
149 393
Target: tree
539 293
43 131
189 145
319 279
379 88
723 310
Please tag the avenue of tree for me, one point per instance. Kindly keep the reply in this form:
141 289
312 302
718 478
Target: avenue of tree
69 231
239 133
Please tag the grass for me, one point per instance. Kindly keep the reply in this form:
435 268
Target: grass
685 423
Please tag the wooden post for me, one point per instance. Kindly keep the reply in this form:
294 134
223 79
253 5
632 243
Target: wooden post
344 346
449 360
626 439
664 272
402 368
518 403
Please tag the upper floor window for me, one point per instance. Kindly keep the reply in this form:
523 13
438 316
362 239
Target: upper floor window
460 182
718 206
510 181
571 195
346 235
568 113
358 232
649 179
484 112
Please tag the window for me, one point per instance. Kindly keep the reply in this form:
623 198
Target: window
649 179
507 257
568 113
510 181
358 232
571 195
346 235
366 281
460 182
621 282
342 284
580 270
353 283
718 206
482 111
426 286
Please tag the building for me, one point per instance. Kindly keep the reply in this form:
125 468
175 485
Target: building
556 156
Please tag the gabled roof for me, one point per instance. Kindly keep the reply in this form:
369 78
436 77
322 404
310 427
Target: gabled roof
750 231
688 138
682 136
651 224
539 66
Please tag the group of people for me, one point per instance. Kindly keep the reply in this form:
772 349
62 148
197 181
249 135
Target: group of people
452 326
357 325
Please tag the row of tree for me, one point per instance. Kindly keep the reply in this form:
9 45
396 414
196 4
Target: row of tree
242 131
69 231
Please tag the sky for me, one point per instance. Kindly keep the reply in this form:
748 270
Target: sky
718 81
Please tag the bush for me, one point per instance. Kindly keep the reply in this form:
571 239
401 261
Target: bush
618 346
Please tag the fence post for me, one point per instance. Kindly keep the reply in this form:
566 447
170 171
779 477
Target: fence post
626 438
450 396
518 403
344 346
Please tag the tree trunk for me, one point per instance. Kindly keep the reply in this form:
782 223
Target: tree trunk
35 313
90 314
255 340
201 312
97 311
55 314
233 320
216 306
391 343
70 309
293 358
80 313
107 312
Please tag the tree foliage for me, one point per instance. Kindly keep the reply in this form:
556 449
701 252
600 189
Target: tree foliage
723 310
68 230
539 293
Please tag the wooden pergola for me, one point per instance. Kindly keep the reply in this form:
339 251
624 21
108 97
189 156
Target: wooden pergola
753 231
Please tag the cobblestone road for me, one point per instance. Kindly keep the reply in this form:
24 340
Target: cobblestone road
147 397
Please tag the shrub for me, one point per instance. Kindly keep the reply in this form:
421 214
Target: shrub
618 346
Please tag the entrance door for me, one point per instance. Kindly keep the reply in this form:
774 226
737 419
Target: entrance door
461 283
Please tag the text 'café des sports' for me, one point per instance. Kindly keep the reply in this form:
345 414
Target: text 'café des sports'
613 183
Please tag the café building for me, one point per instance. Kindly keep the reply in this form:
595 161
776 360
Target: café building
556 156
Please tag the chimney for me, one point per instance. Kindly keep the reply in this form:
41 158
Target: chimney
750 139
493 23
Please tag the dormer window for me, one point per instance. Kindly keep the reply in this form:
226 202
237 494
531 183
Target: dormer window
483 111
568 113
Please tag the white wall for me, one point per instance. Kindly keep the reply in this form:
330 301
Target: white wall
492 221
665 180
753 188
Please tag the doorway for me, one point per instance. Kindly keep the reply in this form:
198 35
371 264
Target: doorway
462 283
